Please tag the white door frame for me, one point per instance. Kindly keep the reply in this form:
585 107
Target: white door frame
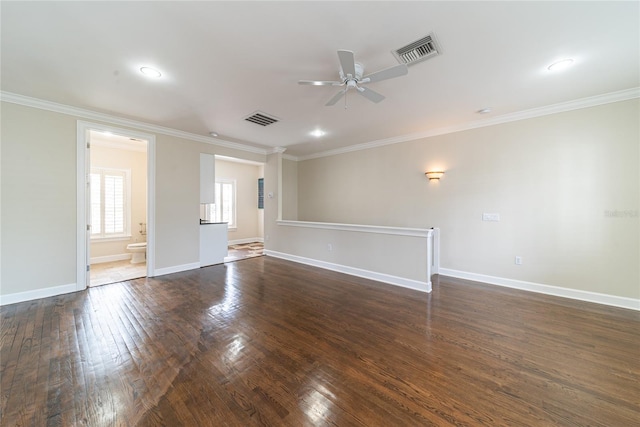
82 212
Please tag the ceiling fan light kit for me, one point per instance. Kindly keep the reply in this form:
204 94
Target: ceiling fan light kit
351 77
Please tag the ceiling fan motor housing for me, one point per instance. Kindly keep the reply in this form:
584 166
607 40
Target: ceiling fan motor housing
359 72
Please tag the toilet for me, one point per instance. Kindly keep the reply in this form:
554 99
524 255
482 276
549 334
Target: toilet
138 252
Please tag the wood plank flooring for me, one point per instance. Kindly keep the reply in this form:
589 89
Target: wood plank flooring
269 342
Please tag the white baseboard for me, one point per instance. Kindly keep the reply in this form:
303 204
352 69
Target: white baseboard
249 240
612 300
110 258
367 274
175 269
37 294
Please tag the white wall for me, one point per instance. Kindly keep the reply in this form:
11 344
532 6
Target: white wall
136 162
248 216
552 179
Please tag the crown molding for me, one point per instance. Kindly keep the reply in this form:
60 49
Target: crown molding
592 101
236 160
281 150
623 95
107 118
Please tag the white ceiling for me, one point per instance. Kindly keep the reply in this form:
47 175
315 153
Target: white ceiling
221 61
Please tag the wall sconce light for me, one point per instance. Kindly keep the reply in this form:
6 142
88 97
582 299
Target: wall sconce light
434 175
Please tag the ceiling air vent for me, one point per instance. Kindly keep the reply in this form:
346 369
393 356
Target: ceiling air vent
417 51
261 119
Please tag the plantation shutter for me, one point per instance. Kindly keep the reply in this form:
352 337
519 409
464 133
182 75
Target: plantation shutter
109 202
114 221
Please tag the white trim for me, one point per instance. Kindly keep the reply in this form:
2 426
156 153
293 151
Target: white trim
435 267
151 205
37 294
377 229
176 269
82 183
607 98
92 115
247 240
110 258
612 300
237 160
371 275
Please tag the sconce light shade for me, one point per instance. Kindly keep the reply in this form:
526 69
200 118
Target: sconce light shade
434 175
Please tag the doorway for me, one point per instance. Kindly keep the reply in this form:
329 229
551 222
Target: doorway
115 204
239 203
118 208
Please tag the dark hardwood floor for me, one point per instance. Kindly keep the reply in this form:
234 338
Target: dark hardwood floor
269 342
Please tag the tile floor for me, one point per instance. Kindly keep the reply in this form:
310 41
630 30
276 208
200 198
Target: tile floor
120 271
245 250
116 271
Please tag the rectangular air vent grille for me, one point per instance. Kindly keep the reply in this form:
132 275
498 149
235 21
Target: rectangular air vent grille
417 51
261 119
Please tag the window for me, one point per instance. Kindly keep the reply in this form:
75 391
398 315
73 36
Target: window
110 201
225 206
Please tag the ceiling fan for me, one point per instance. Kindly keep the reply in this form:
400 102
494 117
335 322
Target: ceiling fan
351 77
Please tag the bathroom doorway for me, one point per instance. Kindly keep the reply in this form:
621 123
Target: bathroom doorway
117 206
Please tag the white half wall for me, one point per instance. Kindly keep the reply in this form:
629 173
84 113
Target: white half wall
394 255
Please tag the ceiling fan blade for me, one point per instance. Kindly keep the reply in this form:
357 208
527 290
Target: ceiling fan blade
336 98
387 73
318 83
347 62
370 94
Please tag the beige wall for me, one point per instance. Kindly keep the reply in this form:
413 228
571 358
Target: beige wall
552 179
136 162
289 189
37 143
38 199
272 178
248 216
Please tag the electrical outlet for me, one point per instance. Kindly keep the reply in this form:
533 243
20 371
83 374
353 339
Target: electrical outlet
329 247
491 217
518 260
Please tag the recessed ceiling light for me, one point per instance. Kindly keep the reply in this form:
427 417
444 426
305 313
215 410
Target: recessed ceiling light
318 133
150 72
213 134
560 65
484 111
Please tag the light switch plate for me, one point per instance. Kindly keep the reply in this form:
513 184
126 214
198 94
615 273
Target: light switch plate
490 217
